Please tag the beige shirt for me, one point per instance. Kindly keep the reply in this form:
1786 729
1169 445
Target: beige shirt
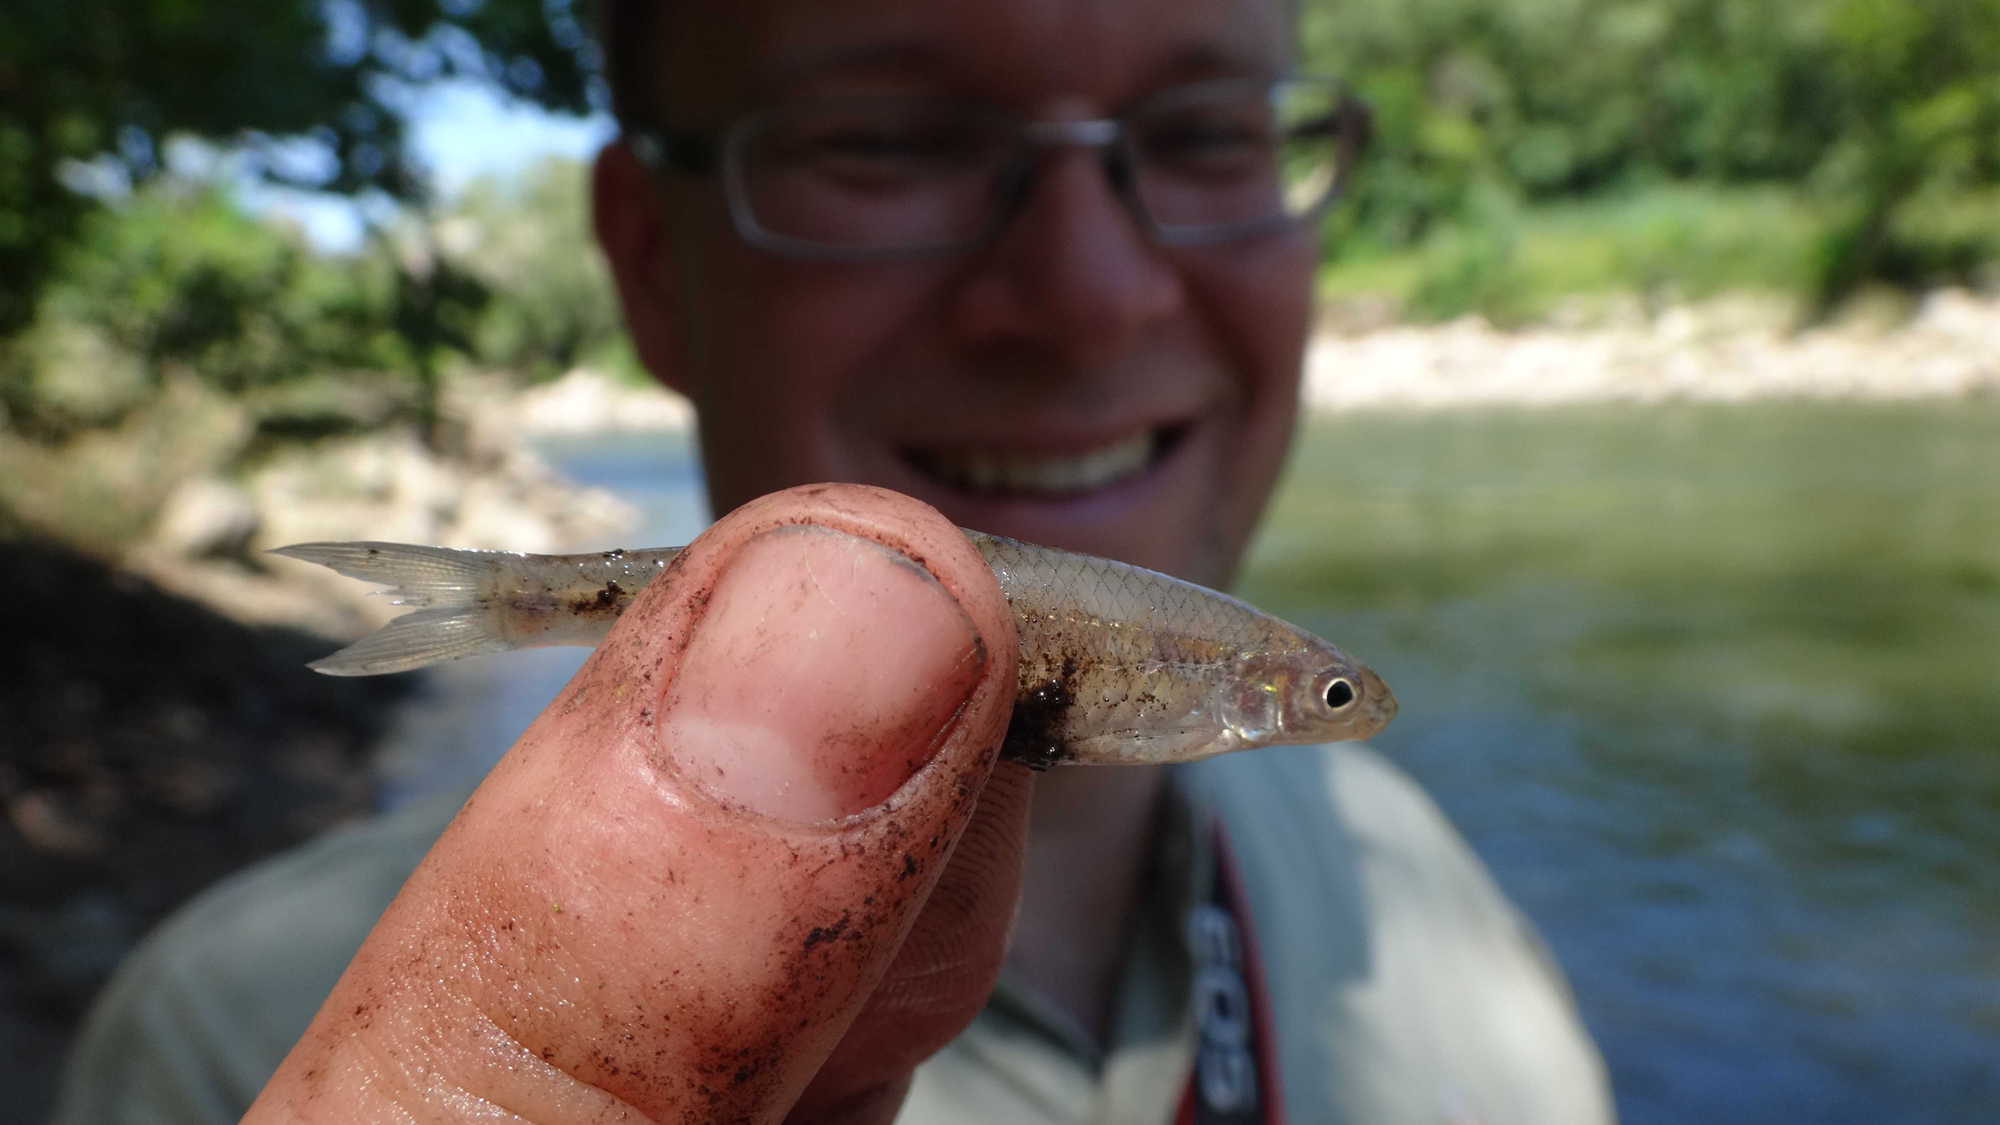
1404 988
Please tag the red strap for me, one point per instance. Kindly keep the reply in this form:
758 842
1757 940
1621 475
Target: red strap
1232 898
1234 892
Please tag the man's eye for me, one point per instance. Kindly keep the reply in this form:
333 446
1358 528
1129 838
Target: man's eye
887 146
890 153
1206 146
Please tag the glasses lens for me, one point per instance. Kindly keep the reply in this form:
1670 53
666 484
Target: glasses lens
1226 157
871 175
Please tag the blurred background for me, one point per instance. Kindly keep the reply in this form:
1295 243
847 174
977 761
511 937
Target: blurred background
1654 456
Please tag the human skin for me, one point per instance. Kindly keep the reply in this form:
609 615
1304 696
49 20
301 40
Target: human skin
753 862
1070 332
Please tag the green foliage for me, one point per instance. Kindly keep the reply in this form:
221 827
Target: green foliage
1486 107
1665 241
1515 139
434 308
529 242
179 337
184 277
111 80
180 280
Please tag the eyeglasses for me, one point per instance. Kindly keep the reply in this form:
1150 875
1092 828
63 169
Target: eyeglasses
900 177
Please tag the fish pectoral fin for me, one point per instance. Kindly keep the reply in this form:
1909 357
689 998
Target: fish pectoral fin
414 640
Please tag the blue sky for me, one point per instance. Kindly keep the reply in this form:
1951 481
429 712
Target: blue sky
462 131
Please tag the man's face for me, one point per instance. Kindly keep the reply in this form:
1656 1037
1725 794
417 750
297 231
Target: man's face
1070 383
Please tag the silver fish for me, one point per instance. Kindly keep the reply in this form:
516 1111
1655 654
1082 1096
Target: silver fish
1119 664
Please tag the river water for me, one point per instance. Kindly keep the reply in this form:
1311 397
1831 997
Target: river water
1715 691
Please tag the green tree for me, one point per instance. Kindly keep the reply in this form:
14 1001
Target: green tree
179 279
111 80
1863 104
529 241
1924 85
435 308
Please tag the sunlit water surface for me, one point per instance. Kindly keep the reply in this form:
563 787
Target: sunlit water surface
1712 690
1716 693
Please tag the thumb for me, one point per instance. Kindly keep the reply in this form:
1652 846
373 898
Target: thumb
685 883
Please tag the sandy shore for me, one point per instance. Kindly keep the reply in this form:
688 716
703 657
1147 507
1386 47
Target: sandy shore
1728 350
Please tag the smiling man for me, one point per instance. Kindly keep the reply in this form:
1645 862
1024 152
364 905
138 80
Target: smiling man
1045 266
881 275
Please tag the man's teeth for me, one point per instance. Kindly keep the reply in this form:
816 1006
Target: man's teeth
988 471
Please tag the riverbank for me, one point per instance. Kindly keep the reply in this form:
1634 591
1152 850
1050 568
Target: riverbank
1733 349
487 489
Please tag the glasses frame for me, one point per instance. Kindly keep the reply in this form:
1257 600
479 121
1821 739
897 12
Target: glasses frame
691 153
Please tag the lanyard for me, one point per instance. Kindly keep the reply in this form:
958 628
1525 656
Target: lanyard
1235 1079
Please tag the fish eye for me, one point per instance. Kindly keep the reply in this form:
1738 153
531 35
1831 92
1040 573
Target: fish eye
1340 693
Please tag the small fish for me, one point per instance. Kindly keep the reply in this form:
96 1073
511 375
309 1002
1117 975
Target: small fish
1119 665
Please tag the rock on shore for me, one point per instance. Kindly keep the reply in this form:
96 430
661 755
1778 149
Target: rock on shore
490 491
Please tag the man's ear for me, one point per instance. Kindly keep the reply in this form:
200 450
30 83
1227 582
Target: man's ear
629 213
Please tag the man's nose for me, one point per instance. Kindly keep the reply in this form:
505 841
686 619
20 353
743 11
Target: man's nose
1073 270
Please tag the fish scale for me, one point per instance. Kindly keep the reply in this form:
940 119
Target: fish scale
1118 664
1142 656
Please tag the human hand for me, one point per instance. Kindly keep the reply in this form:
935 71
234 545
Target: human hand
754 864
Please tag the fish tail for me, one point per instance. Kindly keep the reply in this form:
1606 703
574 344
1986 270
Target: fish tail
454 590
415 640
417 576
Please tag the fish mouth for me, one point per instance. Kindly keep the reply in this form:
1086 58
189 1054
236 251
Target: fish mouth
997 471
1378 704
